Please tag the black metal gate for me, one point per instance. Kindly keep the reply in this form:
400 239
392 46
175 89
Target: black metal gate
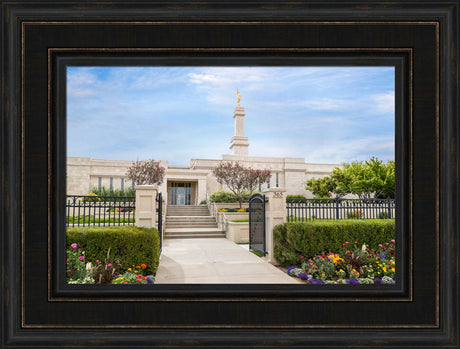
257 223
160 218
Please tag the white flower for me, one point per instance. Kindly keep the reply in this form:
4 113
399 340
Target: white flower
388 280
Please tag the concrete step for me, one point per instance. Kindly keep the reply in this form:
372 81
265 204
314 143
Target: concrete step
186 219
186 224
191 217
173 210
178 233
196 226
196 236
176 213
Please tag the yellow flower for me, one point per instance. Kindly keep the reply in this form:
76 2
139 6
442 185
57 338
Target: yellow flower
129 269
136 271
384 269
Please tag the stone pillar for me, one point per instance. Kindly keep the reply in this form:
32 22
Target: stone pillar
146 196
201 190
275 213
239 143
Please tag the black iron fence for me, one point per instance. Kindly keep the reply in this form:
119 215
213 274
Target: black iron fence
308 209
159 201
88 210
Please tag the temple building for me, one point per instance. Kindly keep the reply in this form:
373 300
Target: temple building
190 185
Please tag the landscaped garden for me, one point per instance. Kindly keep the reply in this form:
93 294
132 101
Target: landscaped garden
112 255
354 264
338 251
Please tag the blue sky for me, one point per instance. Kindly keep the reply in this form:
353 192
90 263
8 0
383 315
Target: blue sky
322 114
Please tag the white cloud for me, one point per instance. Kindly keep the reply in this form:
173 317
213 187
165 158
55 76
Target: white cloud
384 102
330 104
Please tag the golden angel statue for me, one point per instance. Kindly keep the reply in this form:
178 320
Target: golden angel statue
239 96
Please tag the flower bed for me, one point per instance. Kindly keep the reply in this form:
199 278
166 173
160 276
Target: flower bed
354 264
243 209
80 271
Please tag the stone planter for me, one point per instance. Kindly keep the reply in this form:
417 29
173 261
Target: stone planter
237 232
224 217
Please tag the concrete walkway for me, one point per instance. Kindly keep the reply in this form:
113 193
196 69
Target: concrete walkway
214 260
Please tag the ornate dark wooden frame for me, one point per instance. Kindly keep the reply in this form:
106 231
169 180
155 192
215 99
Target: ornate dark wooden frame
40 38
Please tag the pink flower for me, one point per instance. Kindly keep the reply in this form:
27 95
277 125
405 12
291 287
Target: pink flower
97 261
81 258
145 277
139 280
386 243
380 245
74 246
301 257
347 242
109 265
68 260
392 241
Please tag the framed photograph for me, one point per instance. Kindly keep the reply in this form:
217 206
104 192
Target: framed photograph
57 56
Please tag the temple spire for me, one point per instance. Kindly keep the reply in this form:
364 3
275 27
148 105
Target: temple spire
239 143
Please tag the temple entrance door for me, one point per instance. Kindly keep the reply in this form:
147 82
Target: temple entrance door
181 193
180 196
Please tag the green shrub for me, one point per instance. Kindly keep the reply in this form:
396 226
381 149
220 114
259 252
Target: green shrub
91 197
103 191
132 245
295 197
227 197
293 240
203 202
223 196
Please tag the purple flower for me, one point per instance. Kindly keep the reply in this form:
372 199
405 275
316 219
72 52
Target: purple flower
382 255
316 282
289 270
303 276
378 281
150 282
81 258
353 281
74 246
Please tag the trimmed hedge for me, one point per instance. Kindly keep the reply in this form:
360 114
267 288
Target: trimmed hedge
132 245
227 197
292 240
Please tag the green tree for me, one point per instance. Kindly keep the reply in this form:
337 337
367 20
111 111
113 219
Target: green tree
371 178
321 187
